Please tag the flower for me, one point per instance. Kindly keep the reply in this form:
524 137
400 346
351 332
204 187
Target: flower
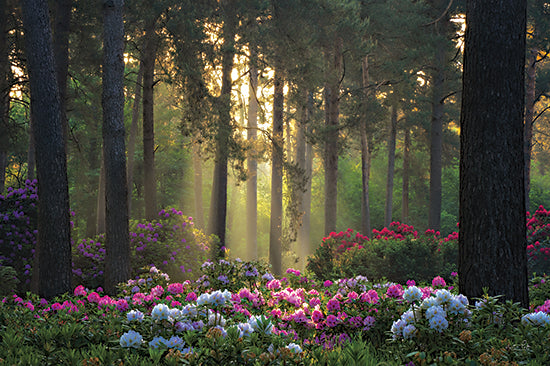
434 311
294 348
438 281
409 332
412 294
439 323
333 304
539 319
160 312
131 339
331 321
134 315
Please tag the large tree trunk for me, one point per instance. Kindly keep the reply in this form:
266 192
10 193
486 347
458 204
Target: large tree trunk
197 182
117 255
54 229
252 165
436 134
365 157
492 247
133 135
31 153
406 176
100 211
62 22
149 181
529 119
391 167
277 153
332 110
4 93
218 202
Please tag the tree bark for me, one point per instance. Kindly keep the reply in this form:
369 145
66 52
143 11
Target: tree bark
436 131
149 180
53 242
62 23
133 135
117 255
492 244
391 167
252 164
332 110
100 212
31 153
528 125
4 93
277 153
218 202
197 180
365 157
406 176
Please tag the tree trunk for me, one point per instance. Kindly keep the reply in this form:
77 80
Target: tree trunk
100 212
391 167
218 202
54 241
133 135
332 110
528 125
117 255
4 93
197 180
277 153
436 131
62 22
252 165
148 59
31 153
492 242
365 158
406 176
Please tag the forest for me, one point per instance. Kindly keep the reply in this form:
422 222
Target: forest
270 123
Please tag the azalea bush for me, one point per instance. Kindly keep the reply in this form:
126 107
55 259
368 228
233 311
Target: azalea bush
538 241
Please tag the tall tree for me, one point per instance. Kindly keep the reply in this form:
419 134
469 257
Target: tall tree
277 158
392 138
117 254
218 202
252 163
133 134
365 154
492 243
53 242
406 175
4 91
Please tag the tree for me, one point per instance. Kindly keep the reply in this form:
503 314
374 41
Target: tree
53 242
391 166
252 164
4 91
492 247
117 255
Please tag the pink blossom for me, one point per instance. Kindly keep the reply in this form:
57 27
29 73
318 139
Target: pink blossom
395 291
157 291
370 296
175 288
80 291
327 283
274 284
316 316
122 305
438 281
331 321
94 297
333 304
191 296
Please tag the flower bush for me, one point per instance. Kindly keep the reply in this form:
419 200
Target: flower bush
538 241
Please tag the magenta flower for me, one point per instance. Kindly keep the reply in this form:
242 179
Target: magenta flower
327 283
438 282
191 296
333 305
371 297
317 316
94 297
80 291
331 321
395 291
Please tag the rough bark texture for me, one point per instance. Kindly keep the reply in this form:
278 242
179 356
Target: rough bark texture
406 176
436 131
100 212
4 93
197 187
53 242
62 22
332 110
492 247
365 158
252 167
391 167
218 202
117 255
31 154
277 151
132 136
528 125
149 181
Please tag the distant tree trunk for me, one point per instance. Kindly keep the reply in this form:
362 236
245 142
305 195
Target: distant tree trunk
197 180
252 165
117 255
304 160
332 111
391 167
528 125
436 131
492 242
148 59
62 23
100 223
218 202
277 152
133 135
31 153
54 239
4 93
406 175
365 158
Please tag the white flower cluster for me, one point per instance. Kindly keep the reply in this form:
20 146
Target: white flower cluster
435 309
539 319
131 339
216 298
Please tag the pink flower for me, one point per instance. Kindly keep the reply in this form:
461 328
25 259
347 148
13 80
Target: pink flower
438 281
314 301
316 316
191 296
157 291
327 283
122 305
80 291
274 284
395 291
333 304
371 297
94 297
353 295
331 321
175 288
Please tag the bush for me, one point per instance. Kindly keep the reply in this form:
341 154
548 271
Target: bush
171 243
538 241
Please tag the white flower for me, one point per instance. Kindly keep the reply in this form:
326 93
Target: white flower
456 307
397 327
429 302
245 329
160 312
294 348
174 342
156 342
409 332
131 339
443 297
408 316
439 323
134 315
412 294
435 310
539 319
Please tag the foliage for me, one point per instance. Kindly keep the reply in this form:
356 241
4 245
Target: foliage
538 241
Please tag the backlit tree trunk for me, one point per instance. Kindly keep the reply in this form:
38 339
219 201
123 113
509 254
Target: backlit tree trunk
252 166
528 125
133 135
4 93
62 22
492 247
406 175
53 243
197 183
